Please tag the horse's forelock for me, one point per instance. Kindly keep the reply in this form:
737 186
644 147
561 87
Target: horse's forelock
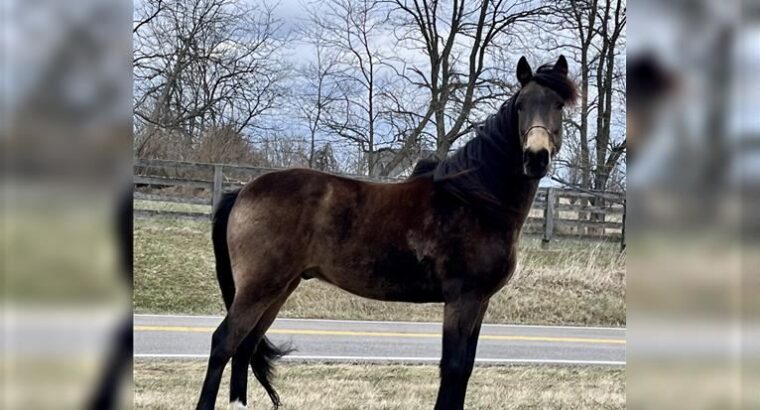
561 84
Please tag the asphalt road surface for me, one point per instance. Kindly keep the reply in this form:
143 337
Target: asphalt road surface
188 337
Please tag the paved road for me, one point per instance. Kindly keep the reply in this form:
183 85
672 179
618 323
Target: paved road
167 336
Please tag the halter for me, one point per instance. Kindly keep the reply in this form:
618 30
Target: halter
536 126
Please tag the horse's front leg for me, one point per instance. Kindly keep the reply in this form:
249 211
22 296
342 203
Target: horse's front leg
461 327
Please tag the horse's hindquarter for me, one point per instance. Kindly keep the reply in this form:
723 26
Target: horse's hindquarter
270 226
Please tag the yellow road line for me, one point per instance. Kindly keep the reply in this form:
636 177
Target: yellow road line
146 328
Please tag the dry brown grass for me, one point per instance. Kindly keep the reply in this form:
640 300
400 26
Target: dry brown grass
171 206
573 282
175 384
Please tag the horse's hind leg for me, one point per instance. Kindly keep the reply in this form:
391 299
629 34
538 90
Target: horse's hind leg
239 374
260 363
243 315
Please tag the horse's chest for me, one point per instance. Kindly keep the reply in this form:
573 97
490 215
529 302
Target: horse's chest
481 267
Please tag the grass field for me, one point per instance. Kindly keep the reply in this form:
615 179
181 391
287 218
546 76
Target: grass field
175 384
573 282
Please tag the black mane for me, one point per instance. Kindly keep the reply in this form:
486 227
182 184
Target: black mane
424 167
476 173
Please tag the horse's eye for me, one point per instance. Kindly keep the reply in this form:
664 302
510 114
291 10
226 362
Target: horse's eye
559 106
519 106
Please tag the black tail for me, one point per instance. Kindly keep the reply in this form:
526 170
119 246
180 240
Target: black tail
266 353
221 251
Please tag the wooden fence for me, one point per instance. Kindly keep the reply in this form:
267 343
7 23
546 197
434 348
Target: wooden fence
556 212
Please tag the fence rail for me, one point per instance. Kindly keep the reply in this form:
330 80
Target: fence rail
556 212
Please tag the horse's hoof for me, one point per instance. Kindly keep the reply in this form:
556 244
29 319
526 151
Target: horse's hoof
237 405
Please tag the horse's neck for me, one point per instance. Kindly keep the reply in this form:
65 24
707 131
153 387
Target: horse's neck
487 171
514 191
516 198
521 200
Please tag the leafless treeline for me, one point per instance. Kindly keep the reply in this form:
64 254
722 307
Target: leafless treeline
366 86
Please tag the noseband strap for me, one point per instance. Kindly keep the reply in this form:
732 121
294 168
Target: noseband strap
552 152
537 126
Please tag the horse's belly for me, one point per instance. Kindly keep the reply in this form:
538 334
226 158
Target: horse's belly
393 292
391 276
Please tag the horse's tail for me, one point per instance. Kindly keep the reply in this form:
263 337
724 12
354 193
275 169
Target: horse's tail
266 352
221 251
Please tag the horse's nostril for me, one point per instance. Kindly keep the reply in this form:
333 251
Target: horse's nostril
540 158
543 157
536 162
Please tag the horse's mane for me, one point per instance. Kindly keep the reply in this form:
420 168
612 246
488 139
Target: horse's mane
486 168
424 166
475 173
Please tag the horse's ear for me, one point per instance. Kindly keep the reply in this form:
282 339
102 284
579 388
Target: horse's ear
561 65
524 72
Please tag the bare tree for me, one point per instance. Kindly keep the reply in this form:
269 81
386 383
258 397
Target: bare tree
455 37
204 64
282 151
403 107
390 77
608 151
226 145
353 29
318 90
595 32
146 13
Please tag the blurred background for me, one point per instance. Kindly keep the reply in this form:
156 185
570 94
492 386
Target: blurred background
65 138
689 159
693 179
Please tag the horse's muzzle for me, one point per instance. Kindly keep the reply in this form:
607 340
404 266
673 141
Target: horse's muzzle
536 163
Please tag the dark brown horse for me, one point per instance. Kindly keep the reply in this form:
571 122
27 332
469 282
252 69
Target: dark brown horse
446 235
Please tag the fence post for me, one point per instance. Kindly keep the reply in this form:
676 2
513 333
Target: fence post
551 196
622 232
216 189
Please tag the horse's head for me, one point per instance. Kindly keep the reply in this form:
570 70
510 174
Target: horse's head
539 105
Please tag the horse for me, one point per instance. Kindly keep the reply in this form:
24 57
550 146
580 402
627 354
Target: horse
448 234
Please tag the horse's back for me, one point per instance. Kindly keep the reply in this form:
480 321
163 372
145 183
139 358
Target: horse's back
276 205
304 187
318 203
290 183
